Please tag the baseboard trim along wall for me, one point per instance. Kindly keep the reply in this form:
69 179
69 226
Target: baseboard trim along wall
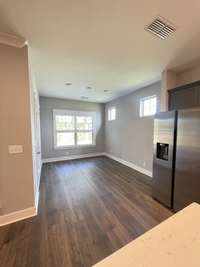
22 214
17 216
130 164
90 155
127 163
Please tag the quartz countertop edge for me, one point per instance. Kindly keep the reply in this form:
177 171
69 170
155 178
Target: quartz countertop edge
173 243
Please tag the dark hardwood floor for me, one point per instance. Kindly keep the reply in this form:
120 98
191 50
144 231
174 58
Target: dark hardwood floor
88 209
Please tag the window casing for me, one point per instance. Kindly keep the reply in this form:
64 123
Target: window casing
148 106
112 113
74 128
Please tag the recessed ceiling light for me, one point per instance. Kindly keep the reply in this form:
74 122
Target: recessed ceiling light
89 87
68 84
106 90
84 97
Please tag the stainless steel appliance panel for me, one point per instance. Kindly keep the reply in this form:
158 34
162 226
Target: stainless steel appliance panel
163 160
187 175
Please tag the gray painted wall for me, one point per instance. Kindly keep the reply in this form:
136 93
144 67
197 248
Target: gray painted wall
130 137
46 114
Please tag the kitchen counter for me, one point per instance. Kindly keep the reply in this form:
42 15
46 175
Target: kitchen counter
173 243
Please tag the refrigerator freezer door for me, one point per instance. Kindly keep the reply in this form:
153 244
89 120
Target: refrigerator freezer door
187 175
163 161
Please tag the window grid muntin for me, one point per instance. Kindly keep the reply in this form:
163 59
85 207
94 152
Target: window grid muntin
75 114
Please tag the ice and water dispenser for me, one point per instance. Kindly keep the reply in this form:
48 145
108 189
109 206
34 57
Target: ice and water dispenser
162 151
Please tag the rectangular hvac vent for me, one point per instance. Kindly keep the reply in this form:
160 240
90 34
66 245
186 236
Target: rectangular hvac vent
161 28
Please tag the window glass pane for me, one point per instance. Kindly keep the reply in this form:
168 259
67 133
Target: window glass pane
153 101
65 139
84 138
148 106
64 122
153 109
111 114
146 112
84 123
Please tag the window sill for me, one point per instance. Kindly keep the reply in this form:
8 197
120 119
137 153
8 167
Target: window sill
147 116
73 147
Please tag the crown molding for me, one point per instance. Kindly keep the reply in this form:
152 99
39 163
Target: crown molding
12 40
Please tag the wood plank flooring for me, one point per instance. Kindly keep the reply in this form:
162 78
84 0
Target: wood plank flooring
88 209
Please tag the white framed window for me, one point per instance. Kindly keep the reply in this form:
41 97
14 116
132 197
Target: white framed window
73 128
148 106
111 113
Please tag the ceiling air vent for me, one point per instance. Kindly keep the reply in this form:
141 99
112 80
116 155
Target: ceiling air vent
161 28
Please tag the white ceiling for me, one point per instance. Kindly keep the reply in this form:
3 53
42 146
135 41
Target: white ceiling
101 43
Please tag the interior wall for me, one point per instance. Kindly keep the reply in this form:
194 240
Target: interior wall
130 137
47 105
188 76
16 170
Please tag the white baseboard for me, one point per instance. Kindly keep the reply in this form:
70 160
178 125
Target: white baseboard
127 163
90 155
22 214
130 164
18 216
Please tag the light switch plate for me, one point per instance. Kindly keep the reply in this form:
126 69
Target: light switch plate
15 149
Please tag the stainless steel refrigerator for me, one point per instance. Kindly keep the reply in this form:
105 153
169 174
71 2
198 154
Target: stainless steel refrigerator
176 164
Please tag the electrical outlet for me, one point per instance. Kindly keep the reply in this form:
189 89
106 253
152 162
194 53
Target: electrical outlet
144 164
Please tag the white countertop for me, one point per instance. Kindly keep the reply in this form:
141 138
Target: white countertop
173 243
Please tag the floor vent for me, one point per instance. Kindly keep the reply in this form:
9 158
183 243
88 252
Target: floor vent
161 28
